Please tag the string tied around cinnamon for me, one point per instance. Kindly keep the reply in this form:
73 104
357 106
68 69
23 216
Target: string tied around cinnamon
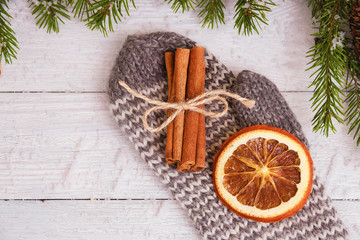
191 104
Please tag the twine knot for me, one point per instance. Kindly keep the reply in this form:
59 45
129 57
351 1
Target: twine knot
193 104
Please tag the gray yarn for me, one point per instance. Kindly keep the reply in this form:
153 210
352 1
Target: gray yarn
141 65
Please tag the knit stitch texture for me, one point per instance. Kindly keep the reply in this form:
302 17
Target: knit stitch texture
141 65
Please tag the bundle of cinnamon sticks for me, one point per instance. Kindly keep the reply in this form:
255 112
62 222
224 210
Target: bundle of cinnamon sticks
186 135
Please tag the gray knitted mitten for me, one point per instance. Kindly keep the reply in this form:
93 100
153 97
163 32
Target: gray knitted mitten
141 65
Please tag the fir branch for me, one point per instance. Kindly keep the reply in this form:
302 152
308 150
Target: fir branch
8 42
212 13
353 96
353 111
250 14
105 12
328 58
184 5
81 8
316 6
49 13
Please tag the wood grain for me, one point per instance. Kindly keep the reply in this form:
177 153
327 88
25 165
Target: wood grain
93 220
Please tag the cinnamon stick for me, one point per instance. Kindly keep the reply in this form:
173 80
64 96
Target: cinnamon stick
179 79
169 63
195 86
200 146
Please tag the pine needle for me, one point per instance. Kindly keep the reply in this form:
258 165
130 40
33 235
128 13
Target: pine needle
184 5
353 96
328 60
212 13
49 13
8 42
104 13
81 9
250 15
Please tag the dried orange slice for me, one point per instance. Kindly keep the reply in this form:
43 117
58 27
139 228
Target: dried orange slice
263 173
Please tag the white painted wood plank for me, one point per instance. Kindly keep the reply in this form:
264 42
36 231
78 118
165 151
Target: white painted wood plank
77 59
108 220
93 220
68 146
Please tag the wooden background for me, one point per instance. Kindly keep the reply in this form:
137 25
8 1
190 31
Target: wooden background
66 169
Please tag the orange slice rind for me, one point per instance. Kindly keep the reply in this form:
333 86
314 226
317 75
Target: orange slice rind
263 173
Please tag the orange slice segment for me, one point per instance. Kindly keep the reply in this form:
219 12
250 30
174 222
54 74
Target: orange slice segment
263 173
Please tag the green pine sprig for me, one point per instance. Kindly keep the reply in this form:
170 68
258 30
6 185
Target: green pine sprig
81 9
107 12
184 5
212 13
250 15
49 13
328 59
353 96
8 42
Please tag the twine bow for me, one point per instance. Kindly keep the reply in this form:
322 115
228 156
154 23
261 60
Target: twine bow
191 104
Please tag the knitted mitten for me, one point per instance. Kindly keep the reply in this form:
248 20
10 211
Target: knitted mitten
141 65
